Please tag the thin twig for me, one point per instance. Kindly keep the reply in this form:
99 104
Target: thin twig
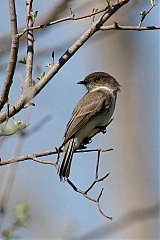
116 26
133 217
34 157
45 162
13 55
30 48
42 154
72 18
51 15
96 180
99 207
97 165
145 13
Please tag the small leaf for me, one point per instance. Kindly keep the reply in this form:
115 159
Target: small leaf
143 14
41 76
109 2
22 61
153 3
94 10
29 104
33 15
9 128
71 12
21 215
7 233
49 65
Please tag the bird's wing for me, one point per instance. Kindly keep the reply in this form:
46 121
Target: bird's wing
87 107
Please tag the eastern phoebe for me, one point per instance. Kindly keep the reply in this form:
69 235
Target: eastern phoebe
91 115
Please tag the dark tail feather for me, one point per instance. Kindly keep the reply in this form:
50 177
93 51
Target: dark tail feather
66 164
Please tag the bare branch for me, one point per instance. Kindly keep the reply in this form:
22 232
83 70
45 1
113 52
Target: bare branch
96 180
135 216
27 157
30 51
144 14
13 55
116 26
61 20
45 162
35 157
53 14
99 207
43 154
25 98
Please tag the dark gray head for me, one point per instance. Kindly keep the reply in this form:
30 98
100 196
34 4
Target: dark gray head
100 79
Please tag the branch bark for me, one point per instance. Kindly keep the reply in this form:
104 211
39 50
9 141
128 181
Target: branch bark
43 154
116 26
25 98
13 55
30 50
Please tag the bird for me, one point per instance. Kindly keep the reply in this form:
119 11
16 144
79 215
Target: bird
90 116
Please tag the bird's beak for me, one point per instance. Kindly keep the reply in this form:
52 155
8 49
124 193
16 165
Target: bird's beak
81 82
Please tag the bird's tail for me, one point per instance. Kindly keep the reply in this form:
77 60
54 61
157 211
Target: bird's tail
66 163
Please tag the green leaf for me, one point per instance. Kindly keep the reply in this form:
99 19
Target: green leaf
153 3
49 65
41 76
33 15
109 2
7 233
143 14
22 61
29 104
71 12
21 215
9 128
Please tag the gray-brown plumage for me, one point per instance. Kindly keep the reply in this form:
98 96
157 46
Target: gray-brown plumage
93 112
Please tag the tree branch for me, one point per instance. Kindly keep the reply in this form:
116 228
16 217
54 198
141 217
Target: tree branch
71 18
51 15
134 216
30 51
25 98
116 26
43 154
96 180
13 55
35 156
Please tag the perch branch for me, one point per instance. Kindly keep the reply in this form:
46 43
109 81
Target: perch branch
42 154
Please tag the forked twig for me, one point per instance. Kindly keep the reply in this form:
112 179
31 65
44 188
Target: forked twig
35 157
96 180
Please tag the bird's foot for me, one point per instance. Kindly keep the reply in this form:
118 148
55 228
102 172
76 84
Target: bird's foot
103 129
85 142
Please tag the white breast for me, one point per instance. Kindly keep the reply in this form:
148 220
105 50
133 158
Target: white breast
99 120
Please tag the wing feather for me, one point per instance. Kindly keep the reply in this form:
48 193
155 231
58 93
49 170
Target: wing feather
87 107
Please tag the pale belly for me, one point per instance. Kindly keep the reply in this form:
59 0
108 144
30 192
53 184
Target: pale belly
91 128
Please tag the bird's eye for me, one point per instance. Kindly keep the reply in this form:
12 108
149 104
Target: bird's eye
97 78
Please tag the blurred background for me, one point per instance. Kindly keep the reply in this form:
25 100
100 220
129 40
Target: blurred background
131 192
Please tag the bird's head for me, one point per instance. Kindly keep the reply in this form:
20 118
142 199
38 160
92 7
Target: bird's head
97 80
